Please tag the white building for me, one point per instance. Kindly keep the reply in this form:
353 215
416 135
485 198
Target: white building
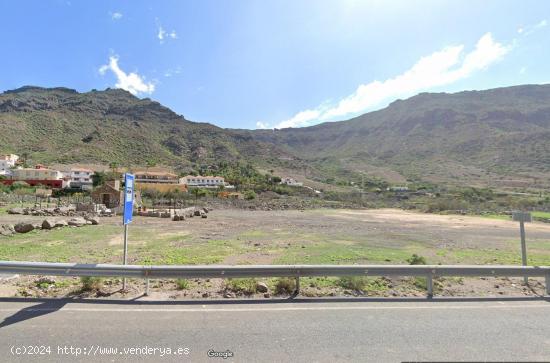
40 175
81 178
291 181
6 163
203 181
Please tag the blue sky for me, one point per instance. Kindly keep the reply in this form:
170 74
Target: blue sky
250 64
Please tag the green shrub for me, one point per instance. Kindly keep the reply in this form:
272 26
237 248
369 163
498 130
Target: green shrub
416 260
285 285
90 283
182 284
245 286
353 282
420 283
249 195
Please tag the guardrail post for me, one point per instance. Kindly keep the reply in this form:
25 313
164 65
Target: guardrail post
547 283
147 287
430 285
297 290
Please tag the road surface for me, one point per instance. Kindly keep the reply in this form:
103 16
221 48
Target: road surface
303 331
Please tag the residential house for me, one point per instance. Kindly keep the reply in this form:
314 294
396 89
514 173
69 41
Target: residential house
160 181
291 182
204 181
108 194
156 177
39 175
81 178
398 189
7 162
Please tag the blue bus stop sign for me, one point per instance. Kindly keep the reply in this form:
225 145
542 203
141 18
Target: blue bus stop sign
128 198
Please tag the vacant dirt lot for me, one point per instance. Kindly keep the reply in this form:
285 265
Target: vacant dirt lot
289 237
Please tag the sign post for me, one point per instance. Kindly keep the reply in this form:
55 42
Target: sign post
522 217
127 215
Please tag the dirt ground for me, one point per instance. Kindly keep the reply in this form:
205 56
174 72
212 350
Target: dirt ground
324 236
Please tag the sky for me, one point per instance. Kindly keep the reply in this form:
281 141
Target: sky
274 64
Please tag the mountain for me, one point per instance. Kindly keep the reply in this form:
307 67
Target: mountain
495 137
498 137
62 125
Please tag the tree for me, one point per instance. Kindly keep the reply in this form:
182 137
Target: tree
99 178
198 193
113 165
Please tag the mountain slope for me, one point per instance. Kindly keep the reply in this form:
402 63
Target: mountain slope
491 134
495 137
62 125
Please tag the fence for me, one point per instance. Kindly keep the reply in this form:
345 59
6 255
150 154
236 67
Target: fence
294 271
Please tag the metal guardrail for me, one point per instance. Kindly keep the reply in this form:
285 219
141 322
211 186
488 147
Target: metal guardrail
295 271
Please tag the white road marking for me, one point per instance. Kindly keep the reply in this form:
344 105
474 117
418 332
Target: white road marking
312 308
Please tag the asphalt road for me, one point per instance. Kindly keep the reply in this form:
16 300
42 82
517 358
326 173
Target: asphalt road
303 331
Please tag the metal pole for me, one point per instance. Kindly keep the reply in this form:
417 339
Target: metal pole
124 262
430 286
523 248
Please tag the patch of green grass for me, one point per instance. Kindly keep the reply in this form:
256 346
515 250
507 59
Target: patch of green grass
246 286
543 215
182 284
83 244
363 283
330 253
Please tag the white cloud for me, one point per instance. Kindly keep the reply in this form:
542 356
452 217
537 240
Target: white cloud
162 34
443 67
261 125
116 15
527 30
131 82
172 71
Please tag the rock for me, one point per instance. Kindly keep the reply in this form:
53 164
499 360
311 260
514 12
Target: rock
16 211
262 287
77 222
267 295
61 223
23 227
204 295
205 210
229 295
94 220
203 215
197 213
6 230
37 225
48 224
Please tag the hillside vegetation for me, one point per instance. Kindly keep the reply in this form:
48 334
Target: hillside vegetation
496 138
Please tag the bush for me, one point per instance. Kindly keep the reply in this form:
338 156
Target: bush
357 283
416 260
245 286
249 195
90 283
182 284
285 285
